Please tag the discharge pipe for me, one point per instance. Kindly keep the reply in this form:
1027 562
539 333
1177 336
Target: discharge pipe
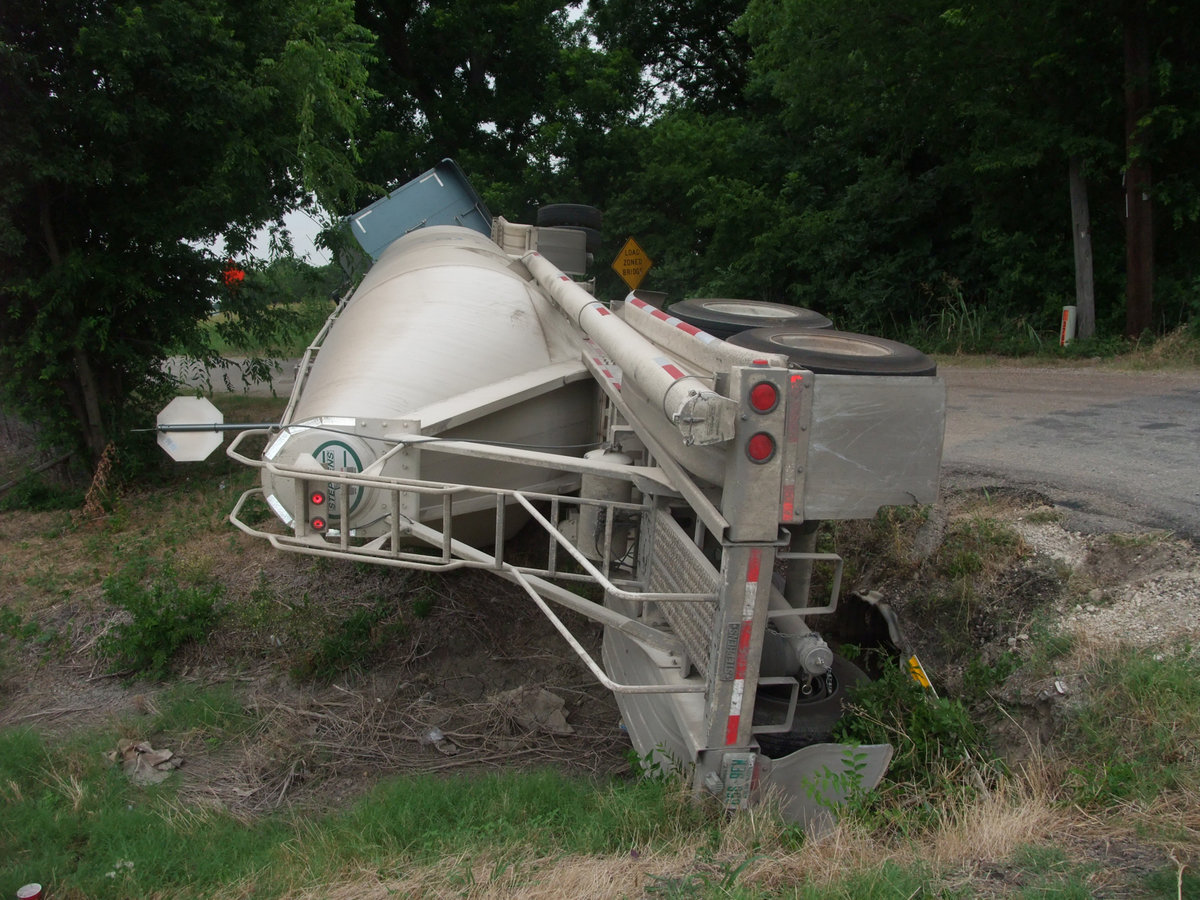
702 415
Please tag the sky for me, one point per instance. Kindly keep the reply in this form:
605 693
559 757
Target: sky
303 228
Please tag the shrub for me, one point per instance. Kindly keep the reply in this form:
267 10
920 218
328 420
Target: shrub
165 617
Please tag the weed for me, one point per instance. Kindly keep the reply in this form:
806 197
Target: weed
35 493
14 625
208 711
1176 881
978 545
354 642
1139 540
424 598
1138 733
930 733
1049 645
716 878
982 676
70 820
1047 516
1052 873
48 641
658 766
164 617
831 790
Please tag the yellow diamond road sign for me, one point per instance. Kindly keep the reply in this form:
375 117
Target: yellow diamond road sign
632 264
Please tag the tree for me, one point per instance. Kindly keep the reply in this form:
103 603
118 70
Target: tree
515 92
932 139
134 134
688 49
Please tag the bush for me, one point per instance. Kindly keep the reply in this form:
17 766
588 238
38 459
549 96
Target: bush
166 616
930 734
35 493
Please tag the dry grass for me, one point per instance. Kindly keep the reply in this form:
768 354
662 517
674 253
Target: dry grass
1176 349
989 826
305 744
499 878
1009 816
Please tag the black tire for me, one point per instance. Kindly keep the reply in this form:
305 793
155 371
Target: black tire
724 318
838 352
572 214
814 719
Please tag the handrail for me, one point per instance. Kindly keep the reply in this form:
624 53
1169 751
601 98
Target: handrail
533 586
577 555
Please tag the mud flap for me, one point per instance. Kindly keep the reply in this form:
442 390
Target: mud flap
813 782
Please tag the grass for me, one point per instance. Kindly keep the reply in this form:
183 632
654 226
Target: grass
959 328
163 618
1140 727
74 822
77 824
1122 768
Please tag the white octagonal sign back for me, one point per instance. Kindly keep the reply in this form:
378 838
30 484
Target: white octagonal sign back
190 446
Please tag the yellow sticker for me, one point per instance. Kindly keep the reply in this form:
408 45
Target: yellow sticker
917 671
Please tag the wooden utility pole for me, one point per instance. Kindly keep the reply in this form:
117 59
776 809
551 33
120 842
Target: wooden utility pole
1081 238
1139 220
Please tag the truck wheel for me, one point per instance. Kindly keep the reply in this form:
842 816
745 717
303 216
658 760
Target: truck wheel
838 352
570 214
724 318
815 718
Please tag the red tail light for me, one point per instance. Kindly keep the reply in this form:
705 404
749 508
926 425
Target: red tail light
761 447
764 397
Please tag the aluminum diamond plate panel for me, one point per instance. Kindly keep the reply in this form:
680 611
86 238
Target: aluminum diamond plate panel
678 566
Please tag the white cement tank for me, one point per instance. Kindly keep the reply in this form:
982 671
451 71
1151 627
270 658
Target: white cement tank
447 336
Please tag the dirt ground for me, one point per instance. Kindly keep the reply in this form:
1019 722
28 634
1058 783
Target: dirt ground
463 672
481 681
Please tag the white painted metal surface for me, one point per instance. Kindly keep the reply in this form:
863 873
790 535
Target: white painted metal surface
190 446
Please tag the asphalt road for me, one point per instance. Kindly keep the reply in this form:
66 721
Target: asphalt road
1116 449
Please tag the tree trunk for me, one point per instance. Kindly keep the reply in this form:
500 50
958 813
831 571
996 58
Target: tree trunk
93 425
1081 233
88 410
1139 222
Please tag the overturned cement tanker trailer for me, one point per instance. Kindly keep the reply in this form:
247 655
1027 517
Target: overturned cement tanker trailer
470 385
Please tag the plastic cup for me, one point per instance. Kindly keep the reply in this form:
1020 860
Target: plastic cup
30 892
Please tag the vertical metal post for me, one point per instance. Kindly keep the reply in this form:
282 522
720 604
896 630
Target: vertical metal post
741 620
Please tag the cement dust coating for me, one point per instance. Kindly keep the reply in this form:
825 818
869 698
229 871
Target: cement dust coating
1116 450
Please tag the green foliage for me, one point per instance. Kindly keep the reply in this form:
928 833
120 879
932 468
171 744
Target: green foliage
36 493
21 631
910 167
716 878
186 122
931 734
976 545
516 92
981 675
71 820
1138 730
214 712
428 818
354 642
165 616
1050 873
